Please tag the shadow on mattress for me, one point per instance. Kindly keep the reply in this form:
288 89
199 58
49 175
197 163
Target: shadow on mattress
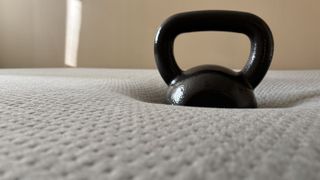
150 93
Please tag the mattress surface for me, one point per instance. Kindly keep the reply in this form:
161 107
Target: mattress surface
114 124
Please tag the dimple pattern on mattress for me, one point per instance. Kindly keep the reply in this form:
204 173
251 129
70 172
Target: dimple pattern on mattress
114 124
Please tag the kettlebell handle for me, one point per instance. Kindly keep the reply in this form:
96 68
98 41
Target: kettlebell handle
216 20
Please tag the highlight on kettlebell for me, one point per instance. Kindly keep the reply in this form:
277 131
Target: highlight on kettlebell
214 85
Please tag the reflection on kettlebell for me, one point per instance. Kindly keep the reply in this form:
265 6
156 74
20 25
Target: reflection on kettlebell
212 85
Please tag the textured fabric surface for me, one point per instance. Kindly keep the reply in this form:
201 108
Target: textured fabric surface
113 124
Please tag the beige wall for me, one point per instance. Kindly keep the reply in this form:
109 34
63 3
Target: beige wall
32 33
120 33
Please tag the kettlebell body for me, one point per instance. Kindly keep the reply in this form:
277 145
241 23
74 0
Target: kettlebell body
213 85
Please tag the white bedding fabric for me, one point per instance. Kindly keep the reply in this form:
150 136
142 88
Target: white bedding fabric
113 124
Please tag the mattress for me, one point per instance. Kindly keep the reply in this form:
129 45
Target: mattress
114 124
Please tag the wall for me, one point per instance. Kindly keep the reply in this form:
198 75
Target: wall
32 33
120 33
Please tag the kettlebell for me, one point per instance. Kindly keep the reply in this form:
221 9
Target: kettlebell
213 85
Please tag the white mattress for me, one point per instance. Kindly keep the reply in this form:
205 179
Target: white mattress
113 124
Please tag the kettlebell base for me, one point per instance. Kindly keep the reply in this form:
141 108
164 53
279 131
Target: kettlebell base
211 86
214 101
218 100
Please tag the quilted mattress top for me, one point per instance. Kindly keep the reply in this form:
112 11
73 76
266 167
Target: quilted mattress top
114 124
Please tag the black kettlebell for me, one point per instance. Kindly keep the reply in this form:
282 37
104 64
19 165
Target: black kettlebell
212 85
